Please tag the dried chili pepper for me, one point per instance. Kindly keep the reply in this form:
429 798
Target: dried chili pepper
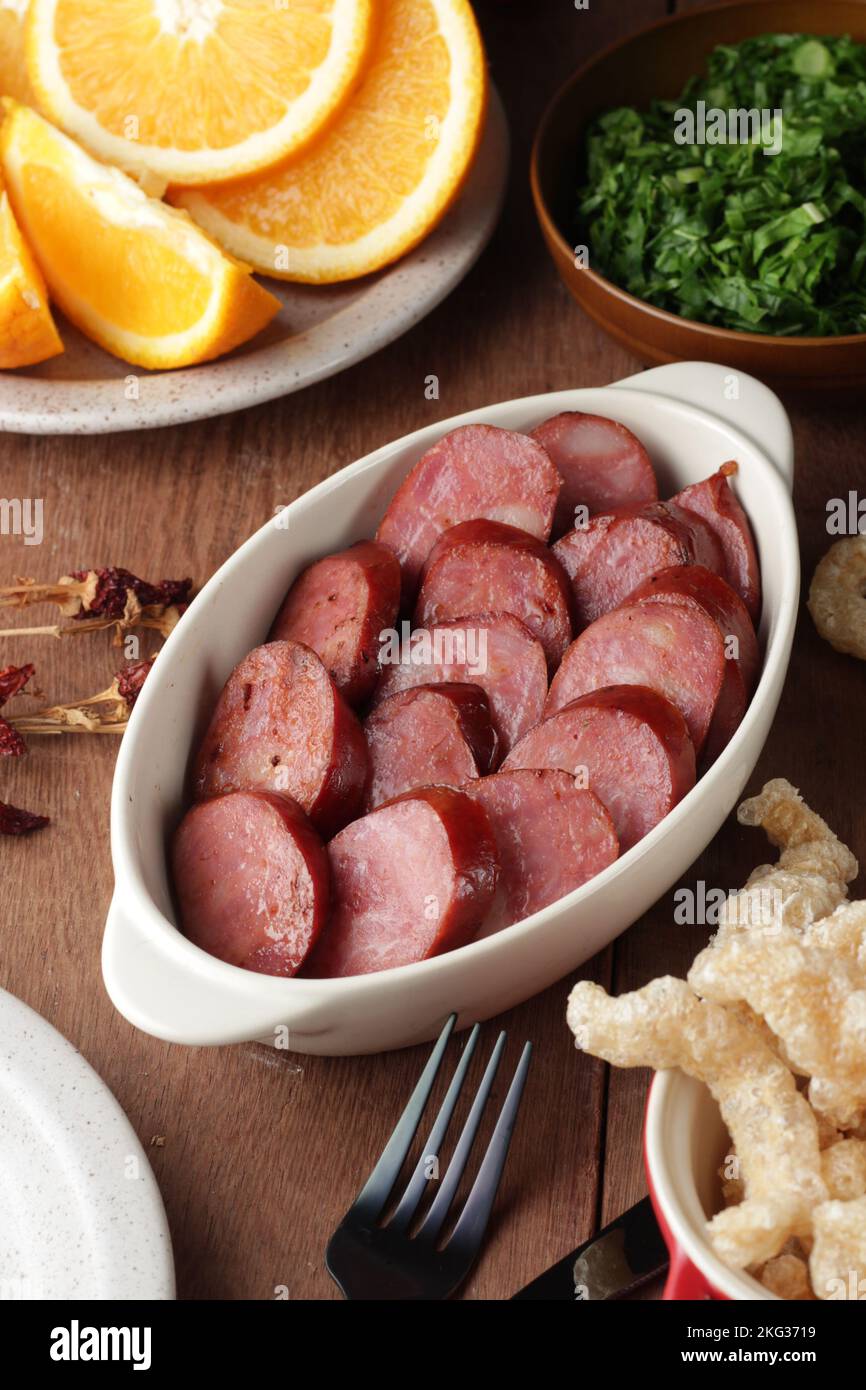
130 680
107 591
16 822
13 680
12 745
105 713
98 592
96 599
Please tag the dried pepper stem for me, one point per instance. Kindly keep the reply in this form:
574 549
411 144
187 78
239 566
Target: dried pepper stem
66 719
100 598
162 620
111 708
103 713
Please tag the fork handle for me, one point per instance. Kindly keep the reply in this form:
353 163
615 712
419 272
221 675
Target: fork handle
623 1256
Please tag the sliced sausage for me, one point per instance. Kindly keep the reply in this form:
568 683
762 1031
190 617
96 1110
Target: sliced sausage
494 650
488 567
714 501
412 879
252 880
617 551
338 607
626 743
280 724
706 547
602 465
692 585
552 836
431 734
675 650
474 471
685 583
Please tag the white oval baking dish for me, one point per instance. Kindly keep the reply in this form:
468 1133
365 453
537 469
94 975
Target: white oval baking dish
692 417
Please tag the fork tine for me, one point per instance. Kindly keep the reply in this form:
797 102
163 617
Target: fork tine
473 1219
376 1190
418 1181
432 1223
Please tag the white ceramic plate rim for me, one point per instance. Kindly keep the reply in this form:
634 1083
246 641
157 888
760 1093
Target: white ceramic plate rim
401 296
67 1097
137 900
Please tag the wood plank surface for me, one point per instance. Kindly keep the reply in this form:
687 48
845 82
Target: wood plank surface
258 1154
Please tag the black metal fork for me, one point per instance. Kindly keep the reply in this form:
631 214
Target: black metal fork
372 1261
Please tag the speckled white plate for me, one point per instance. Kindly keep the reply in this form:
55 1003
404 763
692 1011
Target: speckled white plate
320 330
80 1212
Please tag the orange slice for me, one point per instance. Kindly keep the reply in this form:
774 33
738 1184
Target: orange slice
14 81
375 183
194 90
27 331
136 276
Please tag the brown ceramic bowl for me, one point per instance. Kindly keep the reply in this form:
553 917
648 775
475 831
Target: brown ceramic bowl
655 62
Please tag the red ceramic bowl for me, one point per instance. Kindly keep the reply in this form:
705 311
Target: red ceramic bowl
685 1142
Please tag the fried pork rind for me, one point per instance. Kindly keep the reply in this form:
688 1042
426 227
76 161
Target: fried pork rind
827 1134
836 596
838 1103
837 1264
775 1134
812 999
843 1168
733 1192
784 992
787 1276
811 877
732 1188
843 932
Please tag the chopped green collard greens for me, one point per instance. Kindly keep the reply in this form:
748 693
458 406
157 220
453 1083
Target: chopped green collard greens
766 233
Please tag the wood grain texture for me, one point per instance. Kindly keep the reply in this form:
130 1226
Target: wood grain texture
261 1153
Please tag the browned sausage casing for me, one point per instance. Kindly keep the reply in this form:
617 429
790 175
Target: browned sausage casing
626 743
602 465
488 567
692 585
280 724
552 837
473 471
410 880
431 734
338 607
494 650
675 649
714 502
616 551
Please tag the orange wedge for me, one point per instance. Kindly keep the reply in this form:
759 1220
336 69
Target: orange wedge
194 90
375 183
13 69
136 276
27 331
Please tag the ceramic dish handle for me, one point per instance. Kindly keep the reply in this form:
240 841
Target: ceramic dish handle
731 395
160 992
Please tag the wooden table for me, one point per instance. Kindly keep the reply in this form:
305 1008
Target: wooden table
257 1153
